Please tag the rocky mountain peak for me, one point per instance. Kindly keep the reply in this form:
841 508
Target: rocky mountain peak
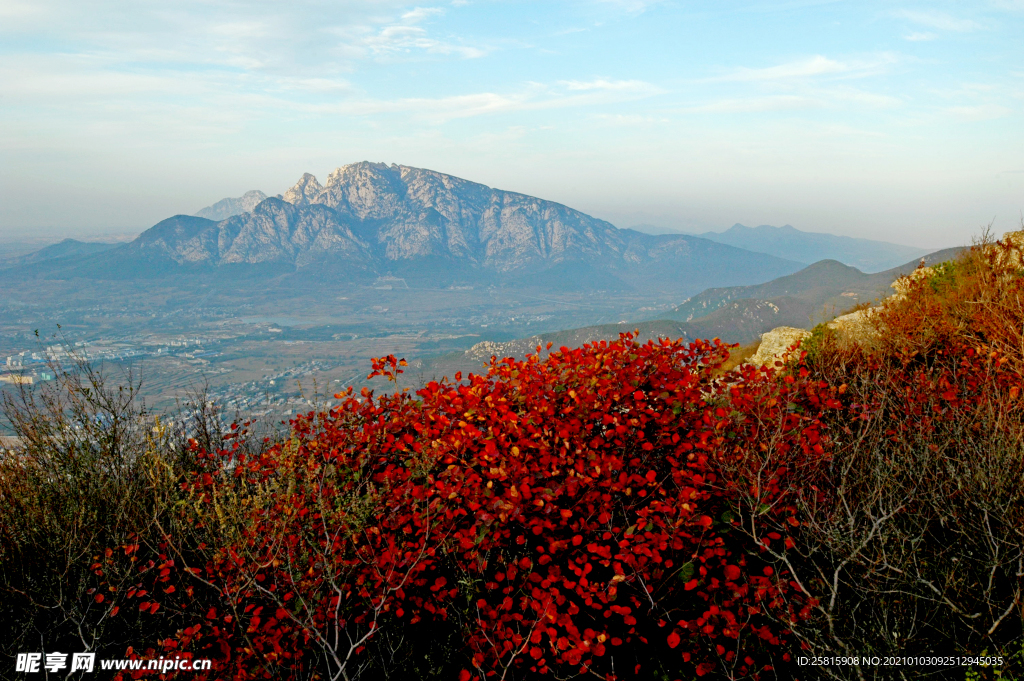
303 192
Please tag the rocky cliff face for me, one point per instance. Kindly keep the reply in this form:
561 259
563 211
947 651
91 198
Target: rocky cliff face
274 232
411 213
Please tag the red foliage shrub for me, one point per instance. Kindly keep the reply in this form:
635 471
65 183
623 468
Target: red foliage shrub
573 515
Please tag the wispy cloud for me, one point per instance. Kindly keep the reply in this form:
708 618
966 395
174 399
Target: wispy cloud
939 20
980 112
420 13
399 39
534 97
631 6
408 37
919 37
819 98
810 67
609 85
755 104
629 120
306 37
857 96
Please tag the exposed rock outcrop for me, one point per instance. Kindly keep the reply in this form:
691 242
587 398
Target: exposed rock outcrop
903 284
855 327
776 343
304 191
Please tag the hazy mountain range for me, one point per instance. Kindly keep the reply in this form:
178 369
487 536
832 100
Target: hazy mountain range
814 294
68 248
370 219
225 208
785 242
810 247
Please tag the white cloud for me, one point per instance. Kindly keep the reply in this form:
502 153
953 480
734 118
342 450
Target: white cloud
421 13
813 99
840 130
919 37
631 6
870 99
303 38
614 85
980 112
756 104
408 38
323 85
939 20
534 97
399 39
811 67
629 120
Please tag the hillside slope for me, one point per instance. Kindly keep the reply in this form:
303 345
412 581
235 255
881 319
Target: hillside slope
824 288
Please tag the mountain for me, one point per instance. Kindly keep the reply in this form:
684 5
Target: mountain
433 229
810 247
824 289
226 208
68 248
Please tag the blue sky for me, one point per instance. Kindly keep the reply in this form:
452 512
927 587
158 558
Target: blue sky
901 121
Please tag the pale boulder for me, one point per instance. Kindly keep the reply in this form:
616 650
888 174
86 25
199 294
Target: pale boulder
903 284
776 343
856 327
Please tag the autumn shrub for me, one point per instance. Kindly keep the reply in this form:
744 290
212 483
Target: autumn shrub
83 481
974 300
569 517
915 545
94 471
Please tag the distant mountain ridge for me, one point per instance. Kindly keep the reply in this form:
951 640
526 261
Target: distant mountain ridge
68 248
809 247
814 294
371 219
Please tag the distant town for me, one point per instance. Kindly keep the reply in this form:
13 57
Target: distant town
27 366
